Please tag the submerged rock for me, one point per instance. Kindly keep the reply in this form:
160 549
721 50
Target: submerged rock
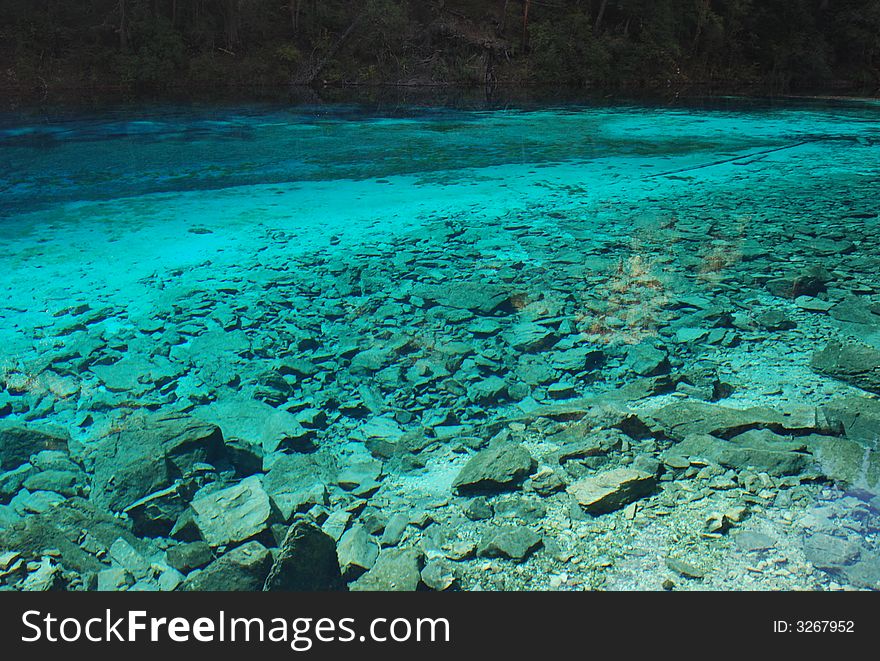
148 456
687 417
759 449
187 557
856 364
647 360
438 575
865 573
396 570
243 569
357 552
529 337
850 463
750 541
466 295
830 553
809 281
61 528
234 514
612 490
857 417
258 423
306 561
155 515
513 542
18 443
295 482
503 466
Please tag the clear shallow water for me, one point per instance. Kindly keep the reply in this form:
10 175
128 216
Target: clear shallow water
170 260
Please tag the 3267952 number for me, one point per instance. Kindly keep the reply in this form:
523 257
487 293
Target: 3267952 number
823 626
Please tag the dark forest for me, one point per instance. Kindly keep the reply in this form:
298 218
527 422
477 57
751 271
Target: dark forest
161 44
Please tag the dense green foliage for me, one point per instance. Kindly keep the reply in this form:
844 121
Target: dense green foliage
161 43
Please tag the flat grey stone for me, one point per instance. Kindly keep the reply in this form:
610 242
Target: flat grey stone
234 514
513 542
749 541
829 552
855 363
357 551
396 570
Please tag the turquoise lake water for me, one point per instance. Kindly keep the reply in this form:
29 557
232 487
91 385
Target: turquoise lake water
624 316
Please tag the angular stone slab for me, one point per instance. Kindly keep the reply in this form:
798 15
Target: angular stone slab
759 449
258 423
234 514
148 454
611 490
357 551
854 363
396 570
512 542
466 295
306 561
503 466
295 482
529 336
687 417
243 569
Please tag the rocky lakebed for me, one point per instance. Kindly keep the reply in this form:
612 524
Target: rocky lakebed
562 397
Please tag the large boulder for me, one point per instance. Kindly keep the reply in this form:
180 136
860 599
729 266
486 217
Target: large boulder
855 363
502 466
148 455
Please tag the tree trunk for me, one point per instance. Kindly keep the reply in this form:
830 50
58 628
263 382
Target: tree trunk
123 27
598 25
323 62
229 9
702 15
504 16
295 9
525 33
